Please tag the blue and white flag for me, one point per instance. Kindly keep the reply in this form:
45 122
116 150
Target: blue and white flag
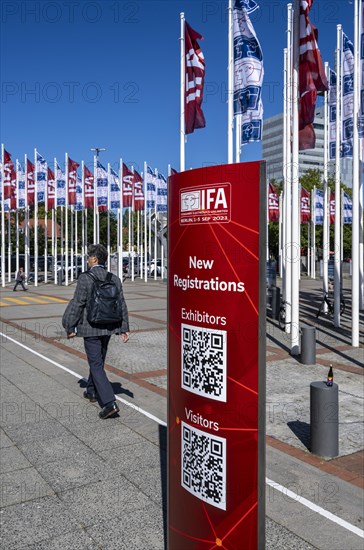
114 184
102 187
41 175
361 69
20 178
79 195
347 209
60 186
347 98
248 73
161 193
332 115
319 207
151 191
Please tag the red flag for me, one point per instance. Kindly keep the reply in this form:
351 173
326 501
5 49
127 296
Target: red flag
273 204
127 186
332 207
138 192
88 179
305 206
72 180
194 75
312 78
51 190
30 183
8 169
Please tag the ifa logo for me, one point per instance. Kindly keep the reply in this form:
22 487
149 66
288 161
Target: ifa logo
205 204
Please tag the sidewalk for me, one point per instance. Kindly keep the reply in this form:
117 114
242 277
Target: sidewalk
71 480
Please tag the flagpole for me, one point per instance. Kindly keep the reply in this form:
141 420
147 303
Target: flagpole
72 212
230 83
145 222
83 216
120 248
26 227
9 242
35 219
326 213
66 221
355 228
46 227
17 219
313 225
295 214
337 263
182 95
55 228
108 217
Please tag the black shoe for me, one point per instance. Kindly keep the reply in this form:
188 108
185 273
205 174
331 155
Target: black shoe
90 396
109 410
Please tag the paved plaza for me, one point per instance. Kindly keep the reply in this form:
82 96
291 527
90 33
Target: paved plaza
70 480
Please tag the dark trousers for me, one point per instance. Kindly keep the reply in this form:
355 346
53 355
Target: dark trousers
96 349
19 283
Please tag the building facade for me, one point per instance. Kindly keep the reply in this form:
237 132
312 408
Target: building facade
272 146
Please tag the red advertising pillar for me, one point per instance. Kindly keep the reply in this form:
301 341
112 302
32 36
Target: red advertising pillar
216 358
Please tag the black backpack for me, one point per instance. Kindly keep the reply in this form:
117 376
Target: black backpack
105 305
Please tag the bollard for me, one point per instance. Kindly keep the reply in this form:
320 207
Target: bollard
276 301
324 419
308 345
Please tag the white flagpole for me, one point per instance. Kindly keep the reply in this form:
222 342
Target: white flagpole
17 219
237 137
230 83
145 223
155 231
76 239
26 227
120 226
355 228
9 244
83 216
108 217
313 222
46 227
66 221
337 263
295 214
326 207
182 95
72 211
35 219
95 201
55 228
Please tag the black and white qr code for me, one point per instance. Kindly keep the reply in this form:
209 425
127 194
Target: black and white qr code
203 471
203 361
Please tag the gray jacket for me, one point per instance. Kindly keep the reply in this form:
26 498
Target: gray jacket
76 312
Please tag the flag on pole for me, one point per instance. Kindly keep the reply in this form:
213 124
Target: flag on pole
195 76
8 167
51 190
41 174
21 198
332 115
101 187
248 73
60 186
150 181
14 191
114 190
347 97
128 179
312 78
347 209
305 206
30 183
161 193
138 192
72 180
319 207
88 179
79 194
273 204
332 207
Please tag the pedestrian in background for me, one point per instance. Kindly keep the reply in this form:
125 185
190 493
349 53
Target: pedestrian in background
96 337
19 279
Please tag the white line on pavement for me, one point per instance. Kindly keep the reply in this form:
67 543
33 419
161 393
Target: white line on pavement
277 486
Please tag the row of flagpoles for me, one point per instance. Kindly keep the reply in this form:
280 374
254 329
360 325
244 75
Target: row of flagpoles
305 76
24 187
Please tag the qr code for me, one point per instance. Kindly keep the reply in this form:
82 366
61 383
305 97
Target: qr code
204 361
203 471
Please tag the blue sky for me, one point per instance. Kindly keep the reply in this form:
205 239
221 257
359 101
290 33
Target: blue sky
82 74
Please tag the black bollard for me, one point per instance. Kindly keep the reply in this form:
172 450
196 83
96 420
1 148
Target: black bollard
308 345
324 417
276 301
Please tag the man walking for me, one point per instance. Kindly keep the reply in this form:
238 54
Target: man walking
19 279
96 337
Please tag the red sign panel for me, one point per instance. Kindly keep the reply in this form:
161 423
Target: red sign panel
216 357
